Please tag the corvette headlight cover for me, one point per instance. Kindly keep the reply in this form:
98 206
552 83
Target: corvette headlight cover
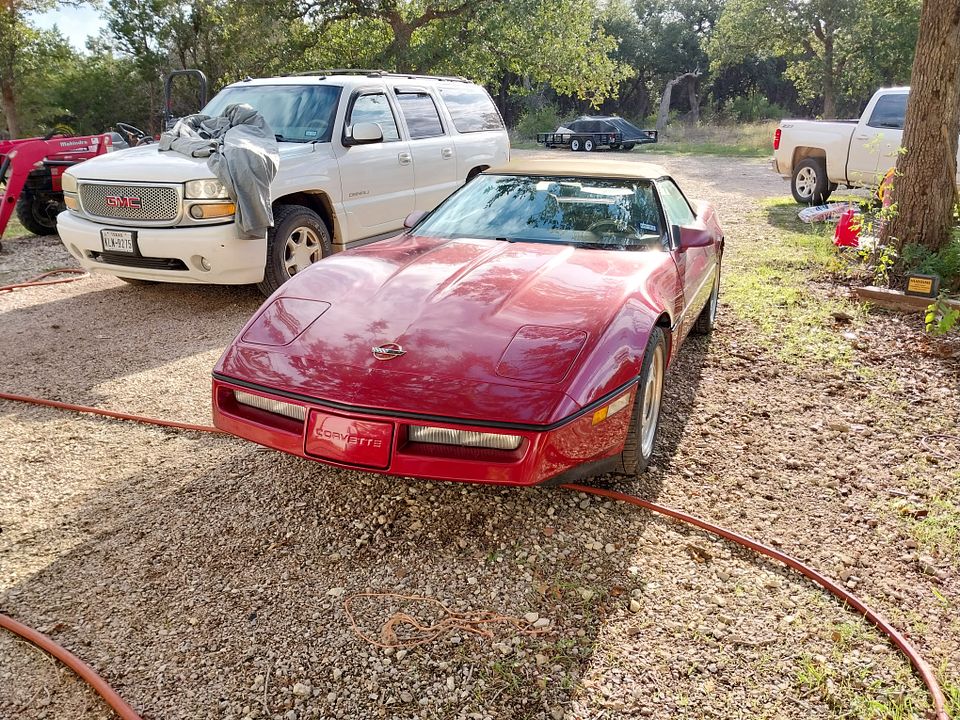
205 190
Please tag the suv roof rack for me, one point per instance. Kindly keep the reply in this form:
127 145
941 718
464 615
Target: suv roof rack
378 73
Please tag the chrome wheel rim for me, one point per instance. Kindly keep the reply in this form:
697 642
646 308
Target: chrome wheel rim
806 182
650 410
713 300
302 248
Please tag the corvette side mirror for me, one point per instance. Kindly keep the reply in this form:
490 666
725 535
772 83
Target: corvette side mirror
691 237
413 218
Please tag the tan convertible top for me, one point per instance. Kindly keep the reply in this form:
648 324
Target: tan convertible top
580 166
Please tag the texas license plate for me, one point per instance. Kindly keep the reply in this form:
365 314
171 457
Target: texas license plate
120 241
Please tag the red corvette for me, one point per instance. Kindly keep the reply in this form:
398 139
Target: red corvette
517 334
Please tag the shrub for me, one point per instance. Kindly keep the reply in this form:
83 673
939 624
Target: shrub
751 108
545 119
945 263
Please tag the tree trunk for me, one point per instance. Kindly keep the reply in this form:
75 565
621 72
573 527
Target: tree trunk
694 100
829 88
664 112
925 189
8 102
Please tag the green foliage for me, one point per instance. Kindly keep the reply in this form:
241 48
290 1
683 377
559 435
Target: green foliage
945 263
538 120
941 318
751 108
841 50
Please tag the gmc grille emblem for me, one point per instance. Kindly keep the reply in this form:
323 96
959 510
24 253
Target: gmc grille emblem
123 202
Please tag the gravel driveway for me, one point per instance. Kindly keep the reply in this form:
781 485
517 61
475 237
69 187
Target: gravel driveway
204 577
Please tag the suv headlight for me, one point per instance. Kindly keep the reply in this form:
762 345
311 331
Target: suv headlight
205 190
68 182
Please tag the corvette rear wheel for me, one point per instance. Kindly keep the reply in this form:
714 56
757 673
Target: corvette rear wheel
588 145
298 238
576 144
642 434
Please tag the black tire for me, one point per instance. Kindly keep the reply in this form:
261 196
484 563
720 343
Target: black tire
635 458
707 319
301 226
809 184
629 146
38 213
614 146
588 145
576 144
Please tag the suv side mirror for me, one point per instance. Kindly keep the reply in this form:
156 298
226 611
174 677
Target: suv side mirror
364 133
687 237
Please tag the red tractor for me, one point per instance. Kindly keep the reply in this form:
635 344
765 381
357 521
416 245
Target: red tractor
30 173
30 169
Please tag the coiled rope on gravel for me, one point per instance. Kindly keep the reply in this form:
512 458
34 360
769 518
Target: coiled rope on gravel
475 622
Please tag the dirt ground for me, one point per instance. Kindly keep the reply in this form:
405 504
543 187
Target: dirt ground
204 577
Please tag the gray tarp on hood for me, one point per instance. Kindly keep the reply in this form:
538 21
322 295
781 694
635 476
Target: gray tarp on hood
241 150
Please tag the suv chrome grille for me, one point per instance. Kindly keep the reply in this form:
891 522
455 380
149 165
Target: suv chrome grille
153 203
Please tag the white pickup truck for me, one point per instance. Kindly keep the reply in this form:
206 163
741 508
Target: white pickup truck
359 152
819 155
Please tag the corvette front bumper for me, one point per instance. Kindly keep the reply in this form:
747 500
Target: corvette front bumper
379 440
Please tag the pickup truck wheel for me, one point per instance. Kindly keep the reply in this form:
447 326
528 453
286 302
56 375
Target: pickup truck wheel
642 433
575 144
38 213
588 145
809 184
708 316
298 238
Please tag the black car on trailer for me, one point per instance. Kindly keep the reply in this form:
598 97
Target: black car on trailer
589 132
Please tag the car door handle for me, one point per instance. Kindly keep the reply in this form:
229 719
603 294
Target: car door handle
404 158
446 153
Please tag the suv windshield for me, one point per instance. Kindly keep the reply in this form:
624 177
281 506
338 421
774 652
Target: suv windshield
615 214
296 113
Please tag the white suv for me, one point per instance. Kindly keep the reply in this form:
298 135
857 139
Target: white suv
359 152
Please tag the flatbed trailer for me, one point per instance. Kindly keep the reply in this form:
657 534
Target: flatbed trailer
590 141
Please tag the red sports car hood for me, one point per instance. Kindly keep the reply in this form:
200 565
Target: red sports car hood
490 330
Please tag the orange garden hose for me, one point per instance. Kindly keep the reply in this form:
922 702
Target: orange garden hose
84 671
40 280
919 664
921 667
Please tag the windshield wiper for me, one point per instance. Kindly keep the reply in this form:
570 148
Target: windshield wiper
281 138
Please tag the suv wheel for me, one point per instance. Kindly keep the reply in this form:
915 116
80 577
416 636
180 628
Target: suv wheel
298 238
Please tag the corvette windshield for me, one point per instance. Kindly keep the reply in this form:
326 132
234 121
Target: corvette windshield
296 113
614 214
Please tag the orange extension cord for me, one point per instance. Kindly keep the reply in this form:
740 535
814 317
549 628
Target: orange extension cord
126 713
39 280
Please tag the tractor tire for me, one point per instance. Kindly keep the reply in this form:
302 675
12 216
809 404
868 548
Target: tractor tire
38 213
298 238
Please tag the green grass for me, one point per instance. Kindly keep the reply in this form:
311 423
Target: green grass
15 229
753 140
750 140
767 284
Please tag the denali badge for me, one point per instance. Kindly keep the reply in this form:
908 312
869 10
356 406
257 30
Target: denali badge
122 202
388 351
